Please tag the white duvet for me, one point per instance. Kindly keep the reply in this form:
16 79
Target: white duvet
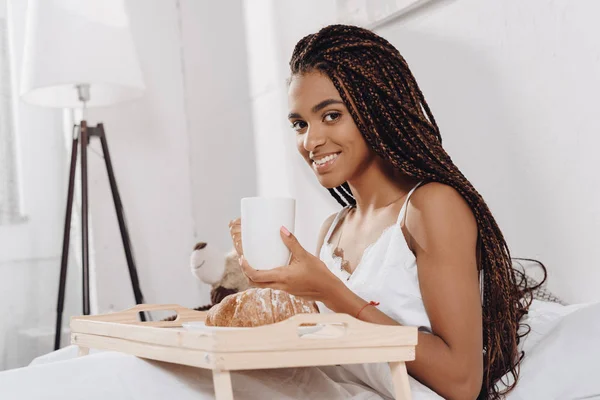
562 362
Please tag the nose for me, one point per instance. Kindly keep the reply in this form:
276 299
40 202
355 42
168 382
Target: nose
313 138
200 246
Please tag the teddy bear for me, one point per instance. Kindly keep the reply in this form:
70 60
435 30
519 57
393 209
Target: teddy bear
223 274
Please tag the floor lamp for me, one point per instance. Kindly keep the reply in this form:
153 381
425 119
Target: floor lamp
80 54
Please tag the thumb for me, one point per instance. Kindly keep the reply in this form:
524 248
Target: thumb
291 242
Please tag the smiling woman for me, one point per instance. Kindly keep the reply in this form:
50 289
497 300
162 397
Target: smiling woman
414 234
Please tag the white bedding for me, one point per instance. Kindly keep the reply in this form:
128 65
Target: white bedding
115 376
562 357
562 353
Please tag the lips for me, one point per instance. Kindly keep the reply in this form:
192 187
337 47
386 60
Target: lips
325 163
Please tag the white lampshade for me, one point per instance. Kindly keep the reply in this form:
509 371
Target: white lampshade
72 42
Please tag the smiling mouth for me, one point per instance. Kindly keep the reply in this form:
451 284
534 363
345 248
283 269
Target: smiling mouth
325 163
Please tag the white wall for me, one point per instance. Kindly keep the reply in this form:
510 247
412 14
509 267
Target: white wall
513 86
220 121
183 155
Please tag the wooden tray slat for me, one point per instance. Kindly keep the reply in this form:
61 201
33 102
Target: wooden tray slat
194 358
246 360
313 357
171 337
351 334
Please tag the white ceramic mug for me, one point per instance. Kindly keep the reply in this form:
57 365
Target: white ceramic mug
262 218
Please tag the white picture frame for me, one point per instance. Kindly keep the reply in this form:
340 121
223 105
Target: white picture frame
371 14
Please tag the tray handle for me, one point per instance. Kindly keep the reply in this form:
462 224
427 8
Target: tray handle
289 327
352 329
330 318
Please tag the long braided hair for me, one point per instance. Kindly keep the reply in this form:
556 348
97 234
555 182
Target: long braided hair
389 109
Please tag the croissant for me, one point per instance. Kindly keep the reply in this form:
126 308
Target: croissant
256 307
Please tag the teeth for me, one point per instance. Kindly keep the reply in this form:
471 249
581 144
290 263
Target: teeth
323 160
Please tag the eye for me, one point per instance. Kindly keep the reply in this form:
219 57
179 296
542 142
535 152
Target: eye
298 125
332 116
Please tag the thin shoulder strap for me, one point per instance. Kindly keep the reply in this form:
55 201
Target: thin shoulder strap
405 205
336 220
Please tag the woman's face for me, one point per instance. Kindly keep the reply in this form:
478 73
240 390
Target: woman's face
326 135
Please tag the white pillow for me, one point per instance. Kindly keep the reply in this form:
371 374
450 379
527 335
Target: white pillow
562 353
542 317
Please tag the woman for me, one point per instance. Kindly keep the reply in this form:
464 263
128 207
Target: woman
414 235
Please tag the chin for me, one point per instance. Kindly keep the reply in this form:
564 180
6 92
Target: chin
330 182
332 178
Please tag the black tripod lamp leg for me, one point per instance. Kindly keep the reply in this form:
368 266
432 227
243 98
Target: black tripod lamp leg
85 256
139 298
65 246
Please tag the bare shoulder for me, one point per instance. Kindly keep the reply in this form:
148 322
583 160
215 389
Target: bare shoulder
323 231
438 196
438 211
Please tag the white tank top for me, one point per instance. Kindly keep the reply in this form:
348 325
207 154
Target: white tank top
386 273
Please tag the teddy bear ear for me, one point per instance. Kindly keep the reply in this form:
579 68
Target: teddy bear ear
206 263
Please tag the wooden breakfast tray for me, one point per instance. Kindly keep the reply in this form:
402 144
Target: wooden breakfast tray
342 340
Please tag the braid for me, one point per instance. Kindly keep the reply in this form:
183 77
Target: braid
336 196
345 190
382 95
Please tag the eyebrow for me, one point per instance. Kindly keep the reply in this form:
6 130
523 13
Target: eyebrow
318 107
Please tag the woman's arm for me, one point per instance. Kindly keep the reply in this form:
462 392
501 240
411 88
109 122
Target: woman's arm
443 235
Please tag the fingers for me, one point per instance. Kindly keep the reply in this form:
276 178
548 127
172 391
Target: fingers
235 231
270 285
276 276
292 243
235 226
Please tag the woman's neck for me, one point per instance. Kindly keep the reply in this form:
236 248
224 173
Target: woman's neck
379 186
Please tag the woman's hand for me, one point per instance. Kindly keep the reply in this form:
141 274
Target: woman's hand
235 230
306 275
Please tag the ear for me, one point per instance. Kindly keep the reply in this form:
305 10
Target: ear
206 263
